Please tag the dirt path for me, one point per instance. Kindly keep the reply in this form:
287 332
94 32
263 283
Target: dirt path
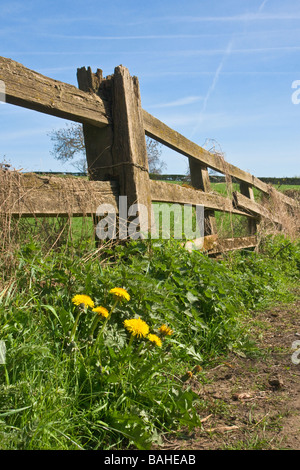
252 403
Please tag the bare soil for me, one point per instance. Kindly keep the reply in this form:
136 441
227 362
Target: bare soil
251 403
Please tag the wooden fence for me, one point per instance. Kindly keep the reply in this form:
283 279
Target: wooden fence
114 126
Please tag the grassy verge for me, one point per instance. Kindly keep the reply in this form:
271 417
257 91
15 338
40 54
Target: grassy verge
78 378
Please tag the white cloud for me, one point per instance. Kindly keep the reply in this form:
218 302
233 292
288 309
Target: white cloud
121 38
14 8
235 18
210 122
249 50
26 133
158 53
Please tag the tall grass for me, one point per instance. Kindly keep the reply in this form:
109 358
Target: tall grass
91 384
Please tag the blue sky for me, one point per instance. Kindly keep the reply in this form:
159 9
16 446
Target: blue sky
219 72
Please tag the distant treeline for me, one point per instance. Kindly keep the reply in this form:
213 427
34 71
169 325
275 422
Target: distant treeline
70 173
186 178
287 180
221 179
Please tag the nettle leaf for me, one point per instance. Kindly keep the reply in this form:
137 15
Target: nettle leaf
191 352
131 426
208 294
191 297
115 339
113 378
183 408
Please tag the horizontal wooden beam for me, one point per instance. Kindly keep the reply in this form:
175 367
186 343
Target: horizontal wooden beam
231 244
174 140
167 136
248 205
29 195
174 193
29 89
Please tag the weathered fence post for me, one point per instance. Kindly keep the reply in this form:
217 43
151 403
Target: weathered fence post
98 140
130 160
200 180
119 151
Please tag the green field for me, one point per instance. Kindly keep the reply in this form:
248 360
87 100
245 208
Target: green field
221 188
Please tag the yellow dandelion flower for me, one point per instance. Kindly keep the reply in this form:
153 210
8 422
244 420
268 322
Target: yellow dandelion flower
83 299
120 293
155 339
101 311
165 330
137 327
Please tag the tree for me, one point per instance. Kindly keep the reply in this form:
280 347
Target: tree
154 150
4 165
68 143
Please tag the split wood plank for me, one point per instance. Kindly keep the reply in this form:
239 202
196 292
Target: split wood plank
29 89
29 195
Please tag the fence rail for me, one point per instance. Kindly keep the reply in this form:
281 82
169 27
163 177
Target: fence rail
30 195
114 126
165 192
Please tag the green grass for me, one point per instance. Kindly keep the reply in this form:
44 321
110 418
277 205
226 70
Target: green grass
222 189
284 187
94 385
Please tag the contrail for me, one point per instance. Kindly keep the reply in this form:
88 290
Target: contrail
214 81
219 70
217 74
262 5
